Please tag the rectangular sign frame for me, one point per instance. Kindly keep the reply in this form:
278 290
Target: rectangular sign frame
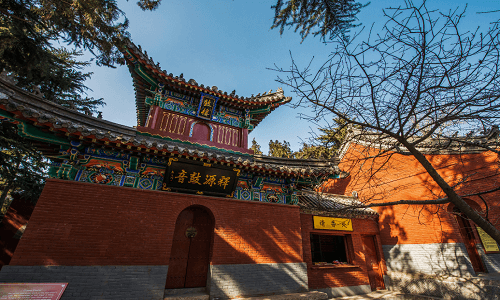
328 223
489 244
206 107
32 291
200 177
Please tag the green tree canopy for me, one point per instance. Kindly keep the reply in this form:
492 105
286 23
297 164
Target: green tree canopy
21 165
256 147
29 29
280 149
326 18
326 145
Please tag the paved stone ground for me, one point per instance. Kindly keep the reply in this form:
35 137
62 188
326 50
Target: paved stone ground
394 295
382 294
387 295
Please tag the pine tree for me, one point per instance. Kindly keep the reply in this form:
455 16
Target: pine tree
256 147
31 28
21 165
326 145
278 149
327 18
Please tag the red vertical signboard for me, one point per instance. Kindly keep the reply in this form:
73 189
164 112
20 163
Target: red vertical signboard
32 291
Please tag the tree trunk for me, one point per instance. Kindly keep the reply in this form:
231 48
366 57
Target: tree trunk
452 195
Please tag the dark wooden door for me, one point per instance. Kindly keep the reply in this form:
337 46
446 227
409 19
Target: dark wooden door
189 258
375 272
470 243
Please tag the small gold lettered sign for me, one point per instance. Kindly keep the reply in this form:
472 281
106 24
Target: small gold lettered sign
332 223
489 243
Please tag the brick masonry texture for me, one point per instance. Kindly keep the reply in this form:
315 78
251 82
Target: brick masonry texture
95 282
230 281
403 178
438 259
83 224
339 277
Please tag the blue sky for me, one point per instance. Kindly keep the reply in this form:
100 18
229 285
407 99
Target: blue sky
229 44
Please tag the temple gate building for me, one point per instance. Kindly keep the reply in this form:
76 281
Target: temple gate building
180 202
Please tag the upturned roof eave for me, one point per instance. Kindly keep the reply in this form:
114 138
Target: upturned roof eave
135 55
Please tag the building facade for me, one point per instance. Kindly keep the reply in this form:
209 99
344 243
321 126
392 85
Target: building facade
434 239
180 202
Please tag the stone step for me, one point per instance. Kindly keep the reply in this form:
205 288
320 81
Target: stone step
186 294
314 295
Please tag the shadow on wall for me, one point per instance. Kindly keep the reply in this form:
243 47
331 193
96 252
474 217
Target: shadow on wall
446 259
267 262
444 287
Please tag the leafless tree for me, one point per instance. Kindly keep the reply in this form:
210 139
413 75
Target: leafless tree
423 77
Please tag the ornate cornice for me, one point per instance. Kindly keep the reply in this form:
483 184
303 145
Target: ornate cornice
63 123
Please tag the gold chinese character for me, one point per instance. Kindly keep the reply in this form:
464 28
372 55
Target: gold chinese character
224 181
207 102
182 175
210 180
194 178
205 112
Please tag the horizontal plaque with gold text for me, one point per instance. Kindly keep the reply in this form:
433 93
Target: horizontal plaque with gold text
200 177
489 243
332 223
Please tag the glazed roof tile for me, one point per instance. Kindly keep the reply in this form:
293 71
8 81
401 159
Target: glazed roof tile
134 55
333 205
445 145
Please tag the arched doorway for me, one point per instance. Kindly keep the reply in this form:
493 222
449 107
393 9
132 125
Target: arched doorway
467 234
189 258
201 131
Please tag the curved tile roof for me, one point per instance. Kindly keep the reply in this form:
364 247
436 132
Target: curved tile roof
334 205
145 71
73 125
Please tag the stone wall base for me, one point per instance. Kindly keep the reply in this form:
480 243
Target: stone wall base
246 280
434 259
446 287
95 282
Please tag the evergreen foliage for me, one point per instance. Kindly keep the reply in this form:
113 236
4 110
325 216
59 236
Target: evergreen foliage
29 29
256 147
326 145
21 165
29 33
279 149
326 18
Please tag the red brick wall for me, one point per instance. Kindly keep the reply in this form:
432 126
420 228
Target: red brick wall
338 277
88 224
401 177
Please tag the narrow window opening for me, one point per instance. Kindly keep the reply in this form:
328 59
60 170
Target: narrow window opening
329 249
